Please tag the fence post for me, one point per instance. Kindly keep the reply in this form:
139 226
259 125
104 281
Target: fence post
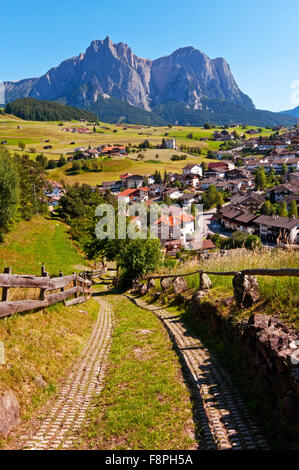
75 285
42 293
61 275
200 278
43 270
5 289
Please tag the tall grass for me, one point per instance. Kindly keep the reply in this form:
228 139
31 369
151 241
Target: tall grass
280 294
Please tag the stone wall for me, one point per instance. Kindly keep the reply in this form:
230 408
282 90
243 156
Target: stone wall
269 348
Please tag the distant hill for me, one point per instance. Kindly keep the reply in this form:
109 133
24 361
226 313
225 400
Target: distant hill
113 110
32 109
115 84
221 112
292 112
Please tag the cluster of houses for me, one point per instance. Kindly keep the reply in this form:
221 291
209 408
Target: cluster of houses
77 130
101 151
53 194
273 229
242 213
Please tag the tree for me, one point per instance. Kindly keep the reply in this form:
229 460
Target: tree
76 166
207 125
293 210
144 145
267 208
42 160
158 177
253 242
22 146
219 201
139 257
260 179
204 167
9 191
167 200
51 164
283 211
284 169
32 183
62 160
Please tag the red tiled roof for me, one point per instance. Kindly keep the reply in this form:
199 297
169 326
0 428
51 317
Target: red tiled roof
127 192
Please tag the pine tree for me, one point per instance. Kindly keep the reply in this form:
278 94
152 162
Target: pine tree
267 208
293 210
283 212
260 179
9 191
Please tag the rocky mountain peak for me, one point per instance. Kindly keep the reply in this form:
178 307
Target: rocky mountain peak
185 76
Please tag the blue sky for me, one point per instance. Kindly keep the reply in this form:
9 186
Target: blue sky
258 38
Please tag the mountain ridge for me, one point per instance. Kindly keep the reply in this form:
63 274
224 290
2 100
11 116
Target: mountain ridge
113 72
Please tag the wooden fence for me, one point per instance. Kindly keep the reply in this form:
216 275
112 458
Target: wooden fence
294 272
95 273
65 287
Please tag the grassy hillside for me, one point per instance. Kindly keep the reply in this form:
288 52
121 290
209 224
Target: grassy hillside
113 168
42 343
38 241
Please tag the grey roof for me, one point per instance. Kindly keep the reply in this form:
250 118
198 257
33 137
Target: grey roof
276 221
188 196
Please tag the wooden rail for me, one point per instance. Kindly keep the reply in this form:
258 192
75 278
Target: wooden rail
79 285
294 272
94 273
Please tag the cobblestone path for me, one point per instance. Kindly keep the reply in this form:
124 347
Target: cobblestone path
224 419
84 381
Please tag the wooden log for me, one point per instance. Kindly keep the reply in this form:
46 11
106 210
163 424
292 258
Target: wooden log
84 280
59 282
18 280
293 272
164 276
228 273
78 300
5 289
18 306
59 296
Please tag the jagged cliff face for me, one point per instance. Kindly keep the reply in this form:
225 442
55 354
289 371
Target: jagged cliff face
105 68
188 75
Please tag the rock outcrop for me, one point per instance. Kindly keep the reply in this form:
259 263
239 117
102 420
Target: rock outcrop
179 285
151 284
9 412
166 283
142 289
205 282
246 290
